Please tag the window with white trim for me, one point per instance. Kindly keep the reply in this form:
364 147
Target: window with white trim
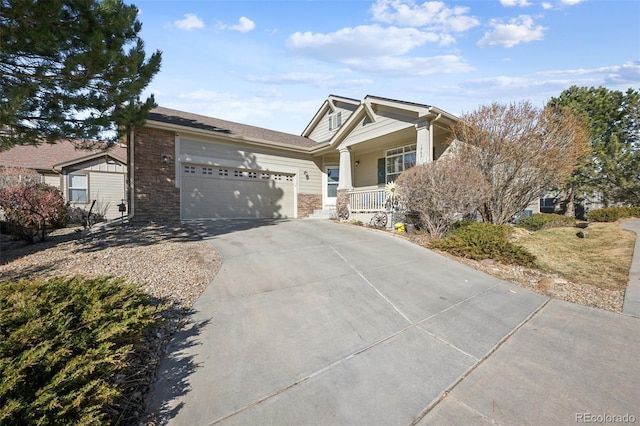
335 120
398 160
79 188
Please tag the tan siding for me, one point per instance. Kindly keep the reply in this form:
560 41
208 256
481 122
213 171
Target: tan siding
100 165
219 153
367 130
321 132
366 174
52 179
109 190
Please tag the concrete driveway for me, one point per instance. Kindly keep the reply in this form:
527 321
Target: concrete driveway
314 322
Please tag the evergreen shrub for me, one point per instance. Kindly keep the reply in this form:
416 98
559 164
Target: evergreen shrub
62 343
611 214
480 241
540 221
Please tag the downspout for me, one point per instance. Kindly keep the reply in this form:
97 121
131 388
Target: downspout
130 174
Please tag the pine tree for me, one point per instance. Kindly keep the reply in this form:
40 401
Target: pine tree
71 69
613 120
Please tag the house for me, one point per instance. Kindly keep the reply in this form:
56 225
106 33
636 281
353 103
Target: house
186 166
82 174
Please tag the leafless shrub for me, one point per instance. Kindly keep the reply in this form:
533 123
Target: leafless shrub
442 192
12 175
522 151
88 218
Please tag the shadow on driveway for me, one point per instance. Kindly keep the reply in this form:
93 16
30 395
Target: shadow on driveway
177 367
214 228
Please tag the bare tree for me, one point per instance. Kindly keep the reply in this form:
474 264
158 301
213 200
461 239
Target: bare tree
442 192
522 151
13 175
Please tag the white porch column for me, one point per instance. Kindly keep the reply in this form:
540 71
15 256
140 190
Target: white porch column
344 180
424 144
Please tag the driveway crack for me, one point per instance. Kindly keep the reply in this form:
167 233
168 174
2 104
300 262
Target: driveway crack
361 275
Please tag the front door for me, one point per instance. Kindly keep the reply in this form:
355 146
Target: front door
331 186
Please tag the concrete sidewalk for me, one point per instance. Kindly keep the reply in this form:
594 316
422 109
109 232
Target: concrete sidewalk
631 304
312 322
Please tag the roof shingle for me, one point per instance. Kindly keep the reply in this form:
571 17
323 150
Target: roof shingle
229 128
45 156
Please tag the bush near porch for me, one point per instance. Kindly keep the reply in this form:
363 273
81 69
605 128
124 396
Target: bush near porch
479 241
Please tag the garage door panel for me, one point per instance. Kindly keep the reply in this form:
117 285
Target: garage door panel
235 194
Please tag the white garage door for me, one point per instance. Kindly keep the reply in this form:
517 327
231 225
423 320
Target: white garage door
214 192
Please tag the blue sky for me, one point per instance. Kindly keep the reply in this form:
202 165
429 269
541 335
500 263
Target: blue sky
272 63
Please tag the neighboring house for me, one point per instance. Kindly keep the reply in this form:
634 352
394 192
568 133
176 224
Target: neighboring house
83 175
552 202
185 166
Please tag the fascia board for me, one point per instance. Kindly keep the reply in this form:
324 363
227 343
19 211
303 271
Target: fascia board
372 115
434 112
61 166
420 110
316 118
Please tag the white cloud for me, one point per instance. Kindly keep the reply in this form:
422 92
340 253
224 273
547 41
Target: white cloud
314 79
363 41
190 22
560 4
517 30
290 78
511 3
244 25
539 87
627 73
254 110
432 14
402 66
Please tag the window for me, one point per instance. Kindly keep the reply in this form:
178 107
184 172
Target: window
548 204
335 120
398 160
78 188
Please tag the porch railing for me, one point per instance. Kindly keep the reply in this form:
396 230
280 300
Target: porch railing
366 200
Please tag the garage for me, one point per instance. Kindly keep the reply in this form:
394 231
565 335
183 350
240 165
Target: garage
210 192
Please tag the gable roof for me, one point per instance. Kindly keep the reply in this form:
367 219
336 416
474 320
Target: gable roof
227 129
61 154
327 105
364 107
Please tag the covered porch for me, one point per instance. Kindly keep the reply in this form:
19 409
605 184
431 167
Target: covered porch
357 174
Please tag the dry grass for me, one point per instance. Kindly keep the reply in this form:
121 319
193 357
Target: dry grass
602 260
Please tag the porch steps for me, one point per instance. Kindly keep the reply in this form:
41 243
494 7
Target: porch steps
323 214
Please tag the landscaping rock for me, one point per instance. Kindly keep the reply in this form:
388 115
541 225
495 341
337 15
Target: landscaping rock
582 234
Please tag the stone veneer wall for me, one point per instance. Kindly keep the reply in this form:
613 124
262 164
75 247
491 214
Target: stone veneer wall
307 203
342 201
156 197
